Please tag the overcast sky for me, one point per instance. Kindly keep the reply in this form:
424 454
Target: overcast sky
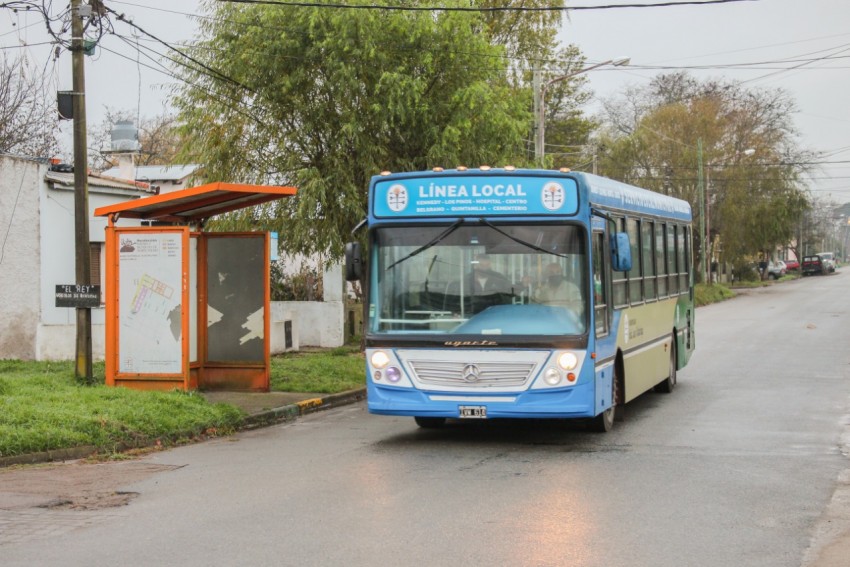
716 35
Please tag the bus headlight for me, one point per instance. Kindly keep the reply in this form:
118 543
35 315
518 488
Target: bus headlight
568 361
552 376
393 374
380 359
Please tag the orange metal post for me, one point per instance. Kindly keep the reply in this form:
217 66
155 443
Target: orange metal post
111 311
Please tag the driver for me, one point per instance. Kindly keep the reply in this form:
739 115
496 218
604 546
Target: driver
485 279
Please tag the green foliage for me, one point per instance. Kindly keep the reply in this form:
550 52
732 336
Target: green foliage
41 409
705 294
752 198
324 99
305 285
322 372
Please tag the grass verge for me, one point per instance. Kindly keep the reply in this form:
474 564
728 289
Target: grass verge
706 294
321 372
42 408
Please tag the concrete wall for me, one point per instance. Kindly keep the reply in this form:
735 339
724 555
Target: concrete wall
20 180
57 331
318 323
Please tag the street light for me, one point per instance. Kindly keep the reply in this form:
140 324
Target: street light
540 98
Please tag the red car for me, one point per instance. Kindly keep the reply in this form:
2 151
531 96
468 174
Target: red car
792 265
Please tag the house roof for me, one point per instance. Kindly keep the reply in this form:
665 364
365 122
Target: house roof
154 173
66 179
196 203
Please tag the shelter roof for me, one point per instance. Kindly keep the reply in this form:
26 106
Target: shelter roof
196 203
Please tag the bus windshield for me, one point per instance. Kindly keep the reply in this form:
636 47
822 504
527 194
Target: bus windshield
505 279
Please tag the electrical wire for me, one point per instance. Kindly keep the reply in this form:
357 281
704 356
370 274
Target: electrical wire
492 9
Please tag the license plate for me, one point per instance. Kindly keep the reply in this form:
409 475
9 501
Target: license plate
473 412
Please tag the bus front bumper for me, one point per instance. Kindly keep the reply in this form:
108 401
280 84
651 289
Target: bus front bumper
573 402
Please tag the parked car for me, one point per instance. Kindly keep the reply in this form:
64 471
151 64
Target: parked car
776 269
813 266
828 259
792 265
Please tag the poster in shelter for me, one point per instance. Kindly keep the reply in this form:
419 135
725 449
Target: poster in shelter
236 298
150 300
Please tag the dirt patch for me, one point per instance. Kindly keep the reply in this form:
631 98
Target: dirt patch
76 485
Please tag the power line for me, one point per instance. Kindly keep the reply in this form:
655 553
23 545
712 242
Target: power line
493 9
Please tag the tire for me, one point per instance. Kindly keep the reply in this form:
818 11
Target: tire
604 422
669 383
430 422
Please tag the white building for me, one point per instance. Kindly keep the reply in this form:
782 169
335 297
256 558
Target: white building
37 253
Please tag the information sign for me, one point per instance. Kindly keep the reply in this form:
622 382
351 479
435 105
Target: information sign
475 195
150 303
74 295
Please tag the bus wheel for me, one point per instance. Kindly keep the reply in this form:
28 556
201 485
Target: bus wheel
604 422
669 383
430 422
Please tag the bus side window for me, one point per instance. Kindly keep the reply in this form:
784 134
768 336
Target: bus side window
671 259
648 259
635 283
660 259
620 279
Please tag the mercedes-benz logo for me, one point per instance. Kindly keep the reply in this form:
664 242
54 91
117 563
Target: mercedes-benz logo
471 373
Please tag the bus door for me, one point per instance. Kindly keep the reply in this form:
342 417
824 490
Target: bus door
601 288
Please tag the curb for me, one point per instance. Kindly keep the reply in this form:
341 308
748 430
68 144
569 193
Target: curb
70 454
254 421
293 411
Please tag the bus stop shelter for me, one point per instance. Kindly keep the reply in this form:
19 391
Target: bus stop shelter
185 308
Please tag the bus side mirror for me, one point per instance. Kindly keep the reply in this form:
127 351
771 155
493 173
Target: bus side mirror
353 262
621 252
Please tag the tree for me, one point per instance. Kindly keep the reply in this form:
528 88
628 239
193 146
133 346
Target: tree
159 139
28 115
324 98
753 197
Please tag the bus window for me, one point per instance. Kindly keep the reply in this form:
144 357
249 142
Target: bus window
635 291
671 259
682 257
647 260
481 280
660 260
620 281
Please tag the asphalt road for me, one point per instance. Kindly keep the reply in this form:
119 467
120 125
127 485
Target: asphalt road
736 467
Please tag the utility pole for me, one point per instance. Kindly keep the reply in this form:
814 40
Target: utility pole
538 118
540 102
701 191
83 366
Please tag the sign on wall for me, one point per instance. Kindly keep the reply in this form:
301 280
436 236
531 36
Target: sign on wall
77 295
150 272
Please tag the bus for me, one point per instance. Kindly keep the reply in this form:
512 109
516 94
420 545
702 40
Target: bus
521 293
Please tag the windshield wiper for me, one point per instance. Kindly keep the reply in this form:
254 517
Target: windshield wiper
521 241
436 240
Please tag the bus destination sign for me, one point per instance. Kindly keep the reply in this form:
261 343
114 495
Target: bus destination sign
475 195
75 295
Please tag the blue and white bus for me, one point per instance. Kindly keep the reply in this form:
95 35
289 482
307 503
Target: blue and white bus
508 293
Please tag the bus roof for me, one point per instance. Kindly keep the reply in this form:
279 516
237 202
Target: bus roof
614 195
404 195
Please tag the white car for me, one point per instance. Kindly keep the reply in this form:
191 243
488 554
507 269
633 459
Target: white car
776 269
828 259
